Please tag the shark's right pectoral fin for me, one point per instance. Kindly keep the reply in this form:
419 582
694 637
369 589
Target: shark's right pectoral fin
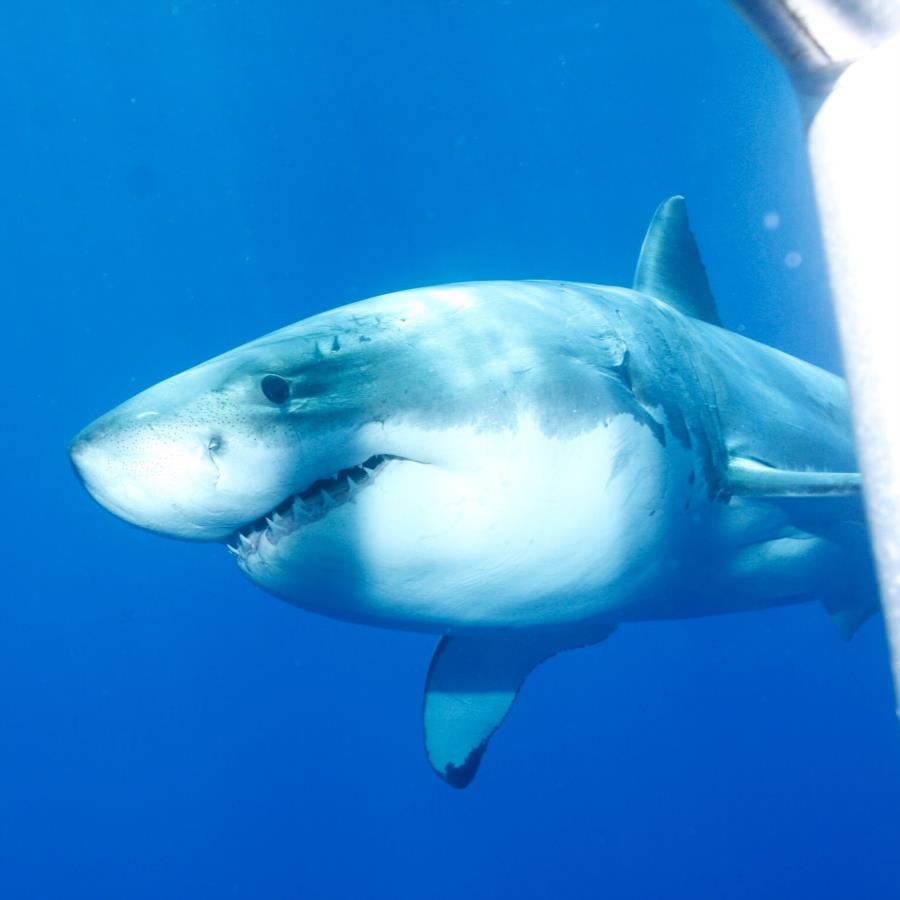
750 478
471 685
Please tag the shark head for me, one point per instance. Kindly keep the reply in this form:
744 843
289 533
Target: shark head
205 454
389 459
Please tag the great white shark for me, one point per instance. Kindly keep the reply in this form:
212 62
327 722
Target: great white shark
519 467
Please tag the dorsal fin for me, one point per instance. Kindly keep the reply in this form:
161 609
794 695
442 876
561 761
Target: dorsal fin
669 267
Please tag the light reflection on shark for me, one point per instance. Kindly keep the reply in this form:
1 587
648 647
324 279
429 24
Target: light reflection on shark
518 467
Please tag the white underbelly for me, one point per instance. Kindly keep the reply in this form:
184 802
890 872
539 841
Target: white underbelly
508 529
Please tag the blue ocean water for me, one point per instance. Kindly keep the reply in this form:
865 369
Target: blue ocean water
180 177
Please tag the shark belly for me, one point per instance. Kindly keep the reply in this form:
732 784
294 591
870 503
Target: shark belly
565 561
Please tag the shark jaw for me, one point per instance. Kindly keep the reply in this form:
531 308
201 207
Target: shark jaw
303 508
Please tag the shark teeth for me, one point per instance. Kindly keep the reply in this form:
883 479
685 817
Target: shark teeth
306 506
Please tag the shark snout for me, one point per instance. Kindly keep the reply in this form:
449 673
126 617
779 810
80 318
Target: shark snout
80 450
161 480
77 450
90 453
92 465
182 475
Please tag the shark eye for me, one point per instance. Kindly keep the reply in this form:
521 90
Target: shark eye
275 388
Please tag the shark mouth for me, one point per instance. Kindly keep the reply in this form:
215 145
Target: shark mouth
306 506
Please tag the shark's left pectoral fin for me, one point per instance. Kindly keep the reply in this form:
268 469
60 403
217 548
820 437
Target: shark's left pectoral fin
471 685
747 477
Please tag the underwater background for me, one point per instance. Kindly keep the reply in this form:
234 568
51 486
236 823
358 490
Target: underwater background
177 178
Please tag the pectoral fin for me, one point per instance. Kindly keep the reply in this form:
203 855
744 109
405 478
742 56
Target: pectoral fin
747 477
471 685
852 595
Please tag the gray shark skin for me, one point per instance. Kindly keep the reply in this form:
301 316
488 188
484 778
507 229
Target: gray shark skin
519 467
